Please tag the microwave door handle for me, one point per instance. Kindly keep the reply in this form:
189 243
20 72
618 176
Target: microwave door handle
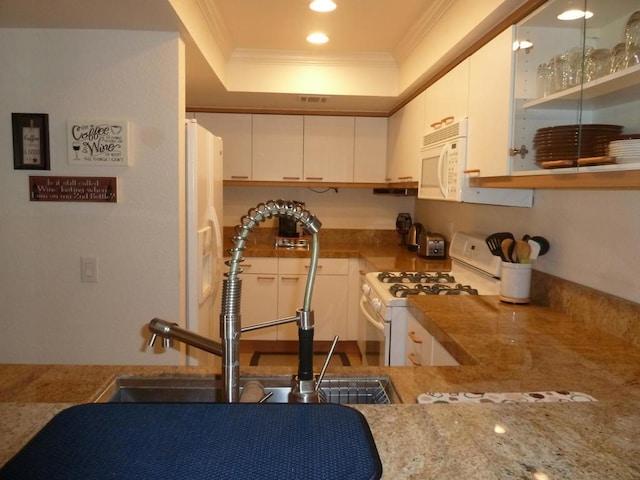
441 180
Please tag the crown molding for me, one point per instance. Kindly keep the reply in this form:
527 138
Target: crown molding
420 29
217 26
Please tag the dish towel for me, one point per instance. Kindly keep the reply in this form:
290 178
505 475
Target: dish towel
517 397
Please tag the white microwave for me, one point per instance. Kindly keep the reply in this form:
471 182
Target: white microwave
443 156
444 160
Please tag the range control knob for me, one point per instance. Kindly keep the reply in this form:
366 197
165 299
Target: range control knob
376 304
366 289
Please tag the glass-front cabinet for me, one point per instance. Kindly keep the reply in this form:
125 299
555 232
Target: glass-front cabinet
576 90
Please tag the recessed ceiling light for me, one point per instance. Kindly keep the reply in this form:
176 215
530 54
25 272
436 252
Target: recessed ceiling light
317 37
322 6
575 14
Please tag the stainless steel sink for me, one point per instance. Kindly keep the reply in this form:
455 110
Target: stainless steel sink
192 389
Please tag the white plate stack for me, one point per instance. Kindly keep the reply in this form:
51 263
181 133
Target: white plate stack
625 149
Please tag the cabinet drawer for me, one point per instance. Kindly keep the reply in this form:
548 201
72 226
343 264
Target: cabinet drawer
326 266
260 265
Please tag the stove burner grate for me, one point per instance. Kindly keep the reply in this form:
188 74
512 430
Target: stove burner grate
400 290
416 277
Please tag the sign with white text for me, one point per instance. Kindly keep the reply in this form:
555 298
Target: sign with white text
73 189
98 142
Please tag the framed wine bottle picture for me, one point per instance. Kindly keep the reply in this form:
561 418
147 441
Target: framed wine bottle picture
30 141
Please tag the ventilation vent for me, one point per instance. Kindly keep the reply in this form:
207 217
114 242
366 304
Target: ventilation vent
312 99
446 133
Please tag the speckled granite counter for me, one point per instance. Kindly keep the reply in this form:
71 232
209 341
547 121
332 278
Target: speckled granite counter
507 349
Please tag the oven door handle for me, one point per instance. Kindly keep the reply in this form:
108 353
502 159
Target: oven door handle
363 308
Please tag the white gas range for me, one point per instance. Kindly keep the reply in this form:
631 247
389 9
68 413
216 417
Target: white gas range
474 271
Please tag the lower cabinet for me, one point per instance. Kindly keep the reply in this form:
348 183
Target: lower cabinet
274 288
423 349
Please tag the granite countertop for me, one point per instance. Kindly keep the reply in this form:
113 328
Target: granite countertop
502 348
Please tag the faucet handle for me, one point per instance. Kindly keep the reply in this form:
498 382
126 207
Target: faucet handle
166 342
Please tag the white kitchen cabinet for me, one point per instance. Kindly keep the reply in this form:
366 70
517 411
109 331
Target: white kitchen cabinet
277 144
328 149
370 150
235 131
406 129
447 100
259 300
423 349
329 299
578 95
490 115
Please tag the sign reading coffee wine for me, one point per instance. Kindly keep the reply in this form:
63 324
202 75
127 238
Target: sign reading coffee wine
98 142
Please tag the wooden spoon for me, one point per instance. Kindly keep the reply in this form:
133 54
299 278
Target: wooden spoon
507 246
523 251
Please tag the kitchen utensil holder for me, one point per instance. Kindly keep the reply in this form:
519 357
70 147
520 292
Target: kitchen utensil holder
515 283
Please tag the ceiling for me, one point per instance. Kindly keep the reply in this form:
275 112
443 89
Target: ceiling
366 31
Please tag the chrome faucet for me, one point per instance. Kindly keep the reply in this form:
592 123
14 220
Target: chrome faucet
305 389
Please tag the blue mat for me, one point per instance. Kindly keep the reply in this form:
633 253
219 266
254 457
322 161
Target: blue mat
198 442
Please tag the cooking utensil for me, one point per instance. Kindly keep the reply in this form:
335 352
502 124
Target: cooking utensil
508 250
523 251
543 242
535 249
494 242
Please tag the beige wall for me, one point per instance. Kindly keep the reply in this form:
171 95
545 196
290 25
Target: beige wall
594 235
47 314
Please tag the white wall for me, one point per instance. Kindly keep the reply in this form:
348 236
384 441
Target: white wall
594 235
47 314
349 208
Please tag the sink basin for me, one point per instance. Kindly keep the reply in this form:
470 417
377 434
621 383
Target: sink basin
192 389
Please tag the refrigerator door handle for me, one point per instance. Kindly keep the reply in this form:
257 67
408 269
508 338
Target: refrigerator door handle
217 261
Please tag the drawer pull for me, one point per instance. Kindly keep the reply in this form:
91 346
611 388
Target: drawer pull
291 178
290 278
414 337
262 277
414 360
309 266
246 265
319 179
240 177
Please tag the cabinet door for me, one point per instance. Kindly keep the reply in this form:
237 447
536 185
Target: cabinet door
447 100
328 149
490 115
277 147
290 298
259 301
406 128
370 150
235 131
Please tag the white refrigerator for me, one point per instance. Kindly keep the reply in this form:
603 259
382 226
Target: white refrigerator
203 263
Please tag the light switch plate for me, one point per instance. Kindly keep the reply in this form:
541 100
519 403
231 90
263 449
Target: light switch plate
89 269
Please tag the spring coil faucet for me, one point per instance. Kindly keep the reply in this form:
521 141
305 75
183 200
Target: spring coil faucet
305 389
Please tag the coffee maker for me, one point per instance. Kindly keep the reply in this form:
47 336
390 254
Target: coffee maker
288 227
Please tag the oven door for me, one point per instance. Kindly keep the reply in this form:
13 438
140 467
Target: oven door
374 337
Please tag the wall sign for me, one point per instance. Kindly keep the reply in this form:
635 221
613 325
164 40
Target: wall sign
73 189
30 141
98 142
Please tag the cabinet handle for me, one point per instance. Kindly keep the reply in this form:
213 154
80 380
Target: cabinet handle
262 277
406 179
319 267
295 279
472 170
240 177
291 178
246 265
447 120
319 179
436 125
414 337
413 359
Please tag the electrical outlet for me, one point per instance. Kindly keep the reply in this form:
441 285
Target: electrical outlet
88 269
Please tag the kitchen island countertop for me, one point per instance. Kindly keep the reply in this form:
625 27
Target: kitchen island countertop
506 349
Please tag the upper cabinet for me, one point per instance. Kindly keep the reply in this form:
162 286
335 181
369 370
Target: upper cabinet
406 128
328 148
447 100
577 90
235 131
370 150
277 145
